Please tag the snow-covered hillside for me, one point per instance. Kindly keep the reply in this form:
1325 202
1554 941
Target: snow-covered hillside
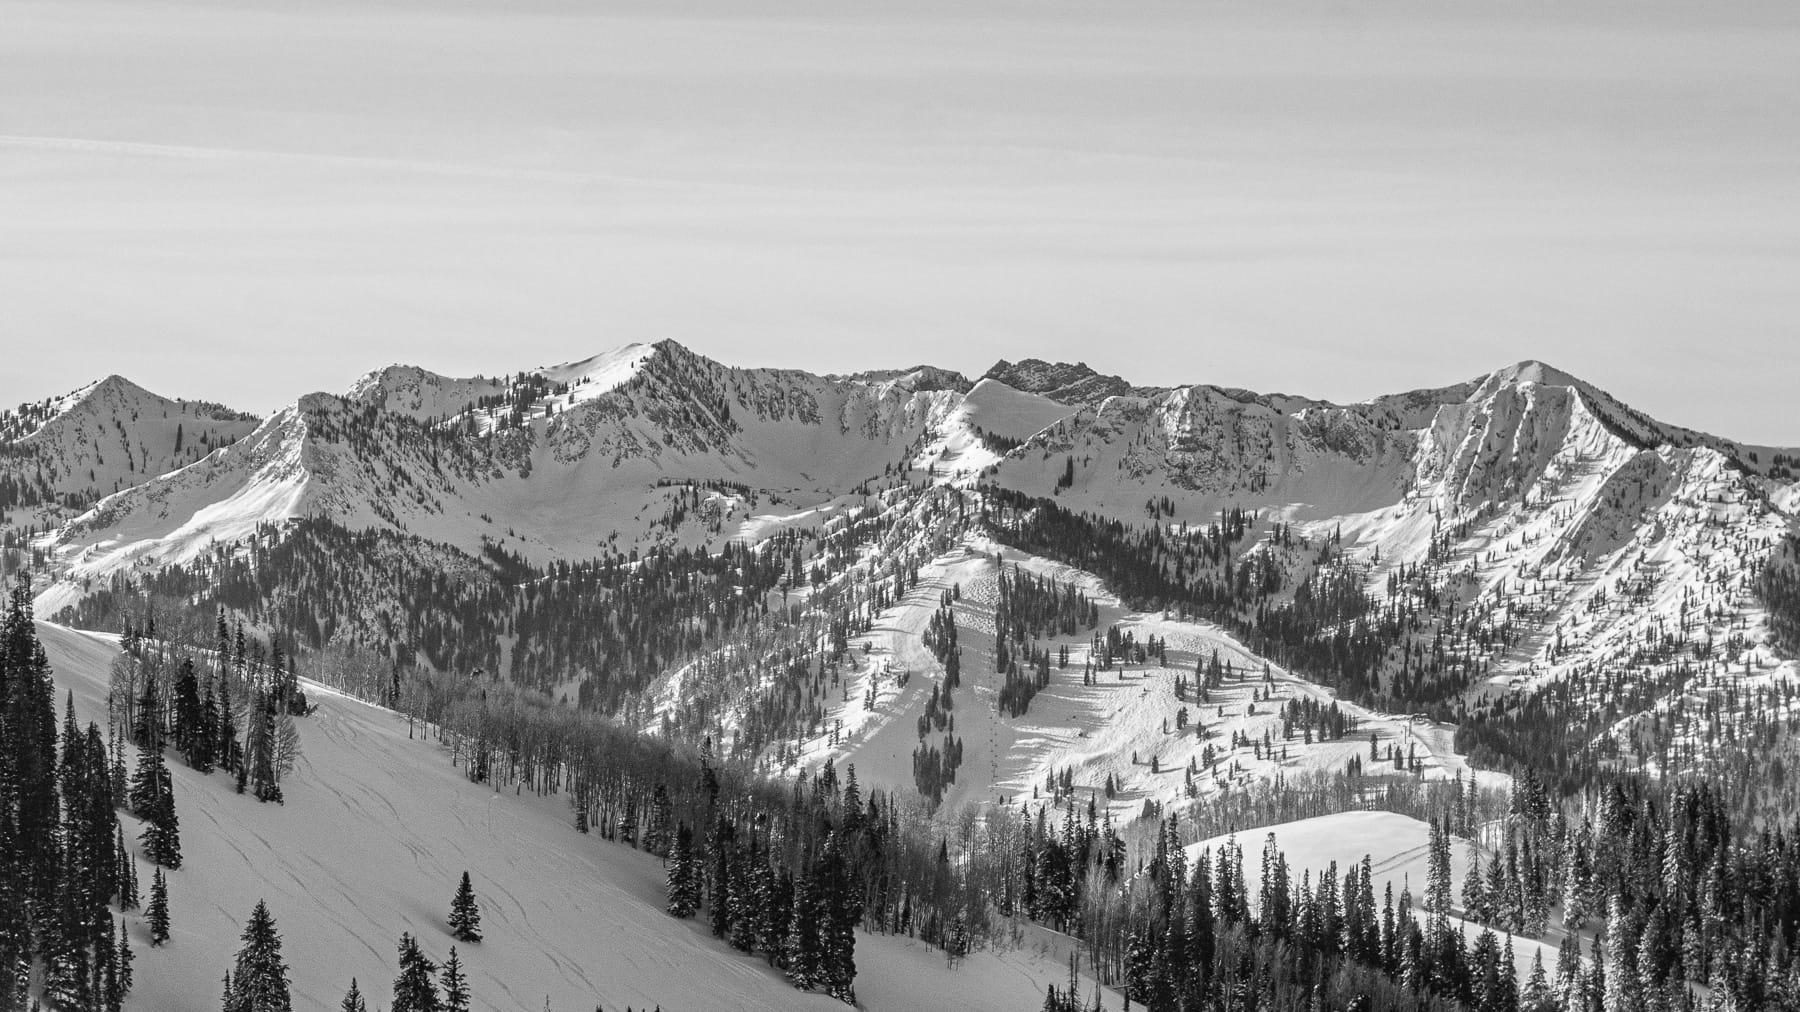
375 831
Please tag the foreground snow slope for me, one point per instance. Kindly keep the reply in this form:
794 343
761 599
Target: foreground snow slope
376 829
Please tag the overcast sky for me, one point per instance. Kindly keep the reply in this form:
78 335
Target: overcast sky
245 201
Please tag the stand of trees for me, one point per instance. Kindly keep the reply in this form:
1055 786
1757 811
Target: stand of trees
1029 607
934 769
1778 586
63 866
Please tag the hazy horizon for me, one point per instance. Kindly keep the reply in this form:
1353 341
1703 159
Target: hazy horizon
245 202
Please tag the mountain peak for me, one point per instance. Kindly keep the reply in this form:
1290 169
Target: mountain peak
1069 383
1532 370
918 378
114 381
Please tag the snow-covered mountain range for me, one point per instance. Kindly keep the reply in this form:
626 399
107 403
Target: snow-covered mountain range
1239 589
1565 524
558 462
552 462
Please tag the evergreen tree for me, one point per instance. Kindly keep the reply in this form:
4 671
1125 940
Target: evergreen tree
127 874
456 986
1537 996
684 875
106 969
1437 880
227 751
353 999
744 912
656 833
146 779
147 720
125 960
205 753
1620 991
718 896
1475 897
157 915
120 780
839 912
162 830
804 959
265 781
465 914
188 714
414 989
259 981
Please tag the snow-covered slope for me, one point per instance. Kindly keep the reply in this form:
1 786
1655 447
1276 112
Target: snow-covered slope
376 829
109 435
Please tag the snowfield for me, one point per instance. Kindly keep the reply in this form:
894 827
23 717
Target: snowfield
376 829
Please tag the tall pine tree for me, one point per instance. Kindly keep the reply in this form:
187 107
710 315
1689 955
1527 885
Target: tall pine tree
157 915
465 914
456 985
414 989
259 981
